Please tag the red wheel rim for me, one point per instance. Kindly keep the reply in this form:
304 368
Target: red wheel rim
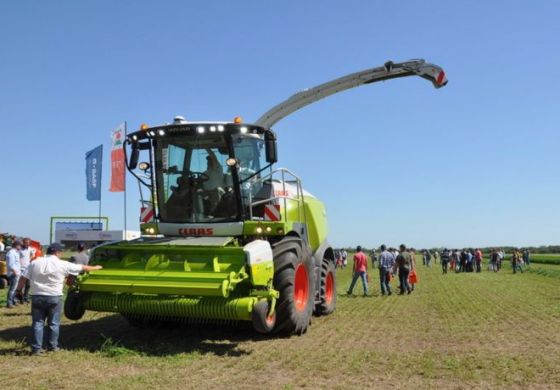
329 288
270 320
301 288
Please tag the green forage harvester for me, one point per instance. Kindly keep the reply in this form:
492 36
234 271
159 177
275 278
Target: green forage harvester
226 236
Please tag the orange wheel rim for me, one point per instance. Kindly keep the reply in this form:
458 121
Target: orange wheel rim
301 288
329 288
270 320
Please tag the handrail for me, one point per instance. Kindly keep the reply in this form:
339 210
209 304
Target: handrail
299 196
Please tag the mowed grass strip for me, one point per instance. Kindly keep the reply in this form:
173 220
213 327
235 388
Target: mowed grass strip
545 258
454 331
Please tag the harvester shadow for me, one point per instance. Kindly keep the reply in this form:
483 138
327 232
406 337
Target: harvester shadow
15 314
114 335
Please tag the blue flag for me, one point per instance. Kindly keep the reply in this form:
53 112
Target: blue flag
94 162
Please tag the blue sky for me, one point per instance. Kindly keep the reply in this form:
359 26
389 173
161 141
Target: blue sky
475 163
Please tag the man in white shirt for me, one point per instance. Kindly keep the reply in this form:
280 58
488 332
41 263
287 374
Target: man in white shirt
213 185
215 173
25 259
46 275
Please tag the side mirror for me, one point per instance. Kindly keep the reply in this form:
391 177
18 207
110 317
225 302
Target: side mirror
270 145
134 155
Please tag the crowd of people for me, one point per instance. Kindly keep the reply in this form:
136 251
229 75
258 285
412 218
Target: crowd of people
39 280
18 254
466 260
401 263
341 258
391 263
469 260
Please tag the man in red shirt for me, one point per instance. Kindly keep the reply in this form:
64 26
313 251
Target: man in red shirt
360 270
478 259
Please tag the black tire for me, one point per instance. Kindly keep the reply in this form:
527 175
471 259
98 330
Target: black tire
74 306
327 289
262 322
292 259
3 283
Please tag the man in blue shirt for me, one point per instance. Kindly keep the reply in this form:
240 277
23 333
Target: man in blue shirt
470 258
14 272
386 265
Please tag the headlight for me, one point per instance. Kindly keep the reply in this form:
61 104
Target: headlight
231 162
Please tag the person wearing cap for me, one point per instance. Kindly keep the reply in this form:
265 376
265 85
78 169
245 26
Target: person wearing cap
360 271
13 263
46 275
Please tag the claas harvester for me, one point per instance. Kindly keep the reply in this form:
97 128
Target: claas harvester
227 236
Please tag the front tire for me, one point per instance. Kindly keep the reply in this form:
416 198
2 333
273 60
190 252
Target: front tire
294 279
327 291
262 322
73 306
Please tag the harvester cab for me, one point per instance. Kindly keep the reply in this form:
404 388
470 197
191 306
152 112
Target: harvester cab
204 175
227 236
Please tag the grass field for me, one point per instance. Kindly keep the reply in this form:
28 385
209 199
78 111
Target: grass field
546 258
455 331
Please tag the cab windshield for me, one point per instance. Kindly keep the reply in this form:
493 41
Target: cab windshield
251 165
194 183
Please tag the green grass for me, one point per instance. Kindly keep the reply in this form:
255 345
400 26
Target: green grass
467 330
549 270
113 349
545 259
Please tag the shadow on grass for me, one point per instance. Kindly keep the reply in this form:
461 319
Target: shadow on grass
113 335
15 314
360 296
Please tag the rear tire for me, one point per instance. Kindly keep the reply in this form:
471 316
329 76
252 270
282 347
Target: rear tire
327 290
73 306
3 283
262 322
295 280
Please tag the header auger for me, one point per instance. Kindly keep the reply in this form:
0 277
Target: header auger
233 237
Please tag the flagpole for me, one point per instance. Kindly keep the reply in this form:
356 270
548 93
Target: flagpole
125 133
100 182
